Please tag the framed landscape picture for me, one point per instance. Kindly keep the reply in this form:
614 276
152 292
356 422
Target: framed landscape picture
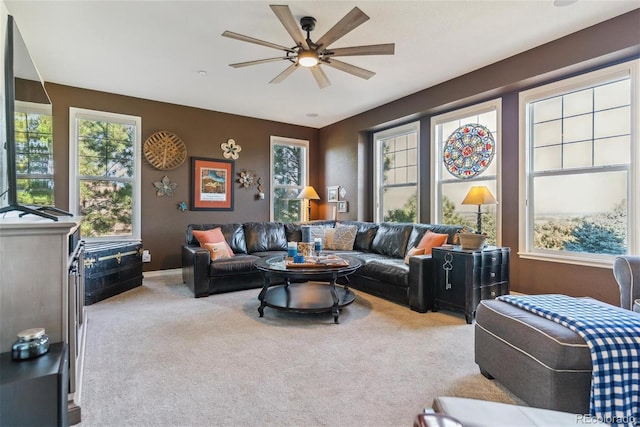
332 193
211 184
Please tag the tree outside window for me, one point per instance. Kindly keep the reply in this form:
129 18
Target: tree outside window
107 168
397 174
34 156
289 177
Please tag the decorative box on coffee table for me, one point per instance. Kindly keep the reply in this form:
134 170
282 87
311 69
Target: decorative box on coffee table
464 277
111 268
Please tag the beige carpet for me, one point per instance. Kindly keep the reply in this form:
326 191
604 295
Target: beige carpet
156 356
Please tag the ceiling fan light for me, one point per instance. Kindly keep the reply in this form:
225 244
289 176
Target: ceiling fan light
307 58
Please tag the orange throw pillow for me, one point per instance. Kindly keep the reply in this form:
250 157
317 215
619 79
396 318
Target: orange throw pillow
431 240
211 236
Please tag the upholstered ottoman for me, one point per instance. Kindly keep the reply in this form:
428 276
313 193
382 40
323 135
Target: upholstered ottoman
543 363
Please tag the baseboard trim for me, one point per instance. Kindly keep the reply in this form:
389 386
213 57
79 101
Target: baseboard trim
158 273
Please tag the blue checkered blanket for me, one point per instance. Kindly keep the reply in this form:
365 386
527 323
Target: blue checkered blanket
613 337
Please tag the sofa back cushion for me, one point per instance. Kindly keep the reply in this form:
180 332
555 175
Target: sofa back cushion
233 234
365 233
391 239
265 236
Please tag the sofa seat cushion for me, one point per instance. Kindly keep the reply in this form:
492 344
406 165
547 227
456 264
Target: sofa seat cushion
384 269
228 266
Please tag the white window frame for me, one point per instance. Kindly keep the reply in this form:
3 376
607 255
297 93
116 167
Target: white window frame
436 158
526 249
74 179
378 188
281 140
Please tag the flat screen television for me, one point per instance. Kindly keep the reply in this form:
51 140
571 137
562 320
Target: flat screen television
18 67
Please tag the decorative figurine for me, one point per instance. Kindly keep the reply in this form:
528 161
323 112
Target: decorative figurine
231 150
165 187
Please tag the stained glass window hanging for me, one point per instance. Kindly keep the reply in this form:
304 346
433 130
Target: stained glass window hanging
468 151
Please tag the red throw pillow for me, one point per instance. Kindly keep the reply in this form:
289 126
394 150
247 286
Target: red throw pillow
211 236
431 240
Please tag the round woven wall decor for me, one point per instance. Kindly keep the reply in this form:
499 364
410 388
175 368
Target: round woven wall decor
165 150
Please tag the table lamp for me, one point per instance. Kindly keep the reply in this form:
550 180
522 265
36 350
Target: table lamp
309 193
479 195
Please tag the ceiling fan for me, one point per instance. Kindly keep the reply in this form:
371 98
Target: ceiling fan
311 54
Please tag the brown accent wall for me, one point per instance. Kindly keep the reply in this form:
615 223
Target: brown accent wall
603 44
202 131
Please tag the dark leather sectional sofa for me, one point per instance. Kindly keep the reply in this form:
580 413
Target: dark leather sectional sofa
381 247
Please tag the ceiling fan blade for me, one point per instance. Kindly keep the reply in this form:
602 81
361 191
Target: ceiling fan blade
374 49
240 37
350 21
256 62
289 22
320 76
283 75
351 69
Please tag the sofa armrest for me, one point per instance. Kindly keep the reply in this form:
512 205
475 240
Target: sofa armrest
626 270
420 283
195 269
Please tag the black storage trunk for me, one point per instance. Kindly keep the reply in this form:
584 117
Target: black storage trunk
111 268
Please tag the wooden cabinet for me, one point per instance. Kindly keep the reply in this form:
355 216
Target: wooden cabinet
462 278
41 272
34 391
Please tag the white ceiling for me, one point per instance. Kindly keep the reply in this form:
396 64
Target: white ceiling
156 49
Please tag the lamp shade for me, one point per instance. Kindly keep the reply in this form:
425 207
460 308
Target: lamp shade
479 195
309 193
307 58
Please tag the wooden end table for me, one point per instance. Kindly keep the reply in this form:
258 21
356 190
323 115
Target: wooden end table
463 277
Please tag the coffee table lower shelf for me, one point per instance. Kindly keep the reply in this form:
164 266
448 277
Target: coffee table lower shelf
309 297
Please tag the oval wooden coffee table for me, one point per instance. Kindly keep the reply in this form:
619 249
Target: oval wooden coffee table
303 290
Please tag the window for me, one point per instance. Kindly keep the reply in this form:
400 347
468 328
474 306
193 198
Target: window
396 174
105 173
289 175
34 154
448 189
579 167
